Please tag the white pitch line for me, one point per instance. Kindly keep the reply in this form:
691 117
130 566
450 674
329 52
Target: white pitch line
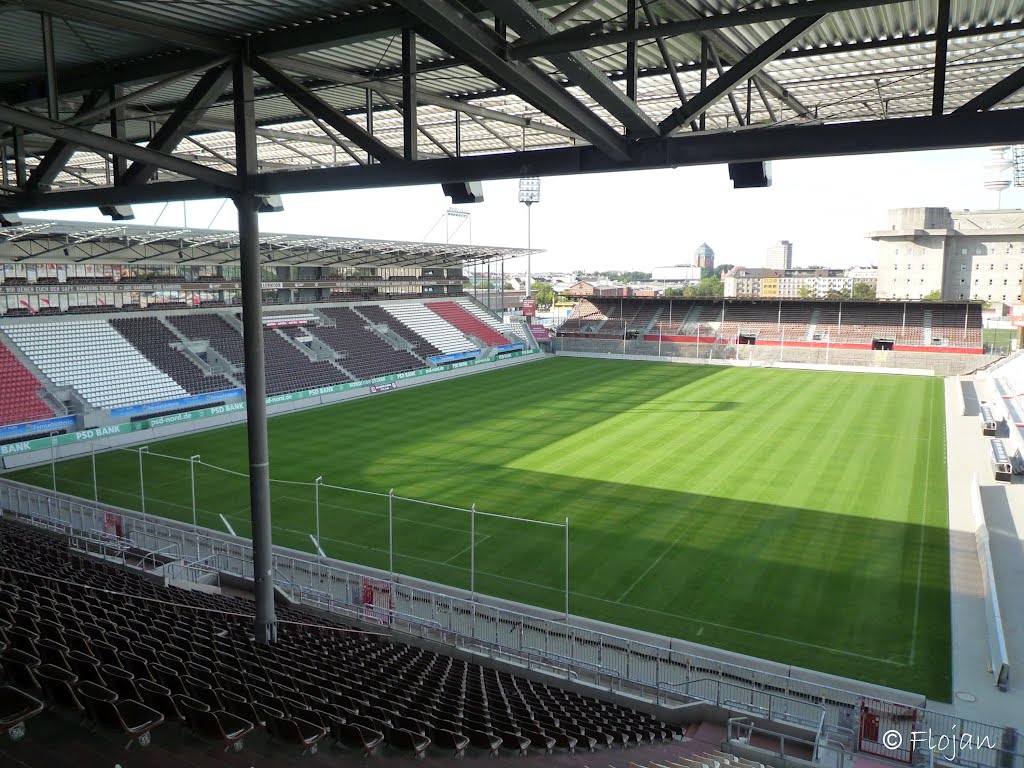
650 567
479 539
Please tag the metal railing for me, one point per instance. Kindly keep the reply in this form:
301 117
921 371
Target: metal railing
530 637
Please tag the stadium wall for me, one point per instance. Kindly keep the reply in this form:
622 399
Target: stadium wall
43 450
940 364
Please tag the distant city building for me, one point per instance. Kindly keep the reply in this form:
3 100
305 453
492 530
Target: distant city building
704 257
584 288
780 255
743 282
975 255
678 274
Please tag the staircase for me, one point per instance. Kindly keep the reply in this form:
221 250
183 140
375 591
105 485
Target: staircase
926 328
812 329
690 322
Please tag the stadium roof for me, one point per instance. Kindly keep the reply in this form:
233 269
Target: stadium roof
38 241
139 102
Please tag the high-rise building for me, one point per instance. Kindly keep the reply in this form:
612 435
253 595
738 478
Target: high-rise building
961 255
704 257
780 256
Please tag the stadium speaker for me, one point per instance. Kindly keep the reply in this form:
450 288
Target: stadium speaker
464 192
118 212
9 219
750 175
270 204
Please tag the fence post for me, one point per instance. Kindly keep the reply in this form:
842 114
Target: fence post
391 533
567 569
95 482
195 521
142 482
316 487
472 551
53 459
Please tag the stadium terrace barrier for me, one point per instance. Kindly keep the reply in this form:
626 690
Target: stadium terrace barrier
373 386
176 403
30 427
996 633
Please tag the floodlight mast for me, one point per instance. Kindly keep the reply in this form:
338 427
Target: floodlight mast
529 193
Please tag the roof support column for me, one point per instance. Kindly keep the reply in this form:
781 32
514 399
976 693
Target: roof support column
409 134
941 46
20 170
247 204
50 62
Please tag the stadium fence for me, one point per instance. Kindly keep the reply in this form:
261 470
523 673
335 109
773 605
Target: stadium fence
659 671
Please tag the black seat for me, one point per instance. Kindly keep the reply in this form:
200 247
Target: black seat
353 735
132 718
399 738
15 708
457 742
223 727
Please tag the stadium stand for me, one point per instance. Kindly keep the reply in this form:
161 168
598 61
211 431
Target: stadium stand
288 370
94 359
905 324
368 355
225 340
430 326
377 315
159 654
21 401
467 323
153 339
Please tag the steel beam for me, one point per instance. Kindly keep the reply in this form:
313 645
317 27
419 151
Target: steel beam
409 100
125 18
571 40
117 116
531 24
317 107
100 143
713 54
303 67
741 70
667 58
460 32
731 53
632 68
255 383
50 65
60 152
182 121
995 94
941 47
951 131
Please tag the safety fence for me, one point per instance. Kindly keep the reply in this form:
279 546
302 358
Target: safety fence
656 671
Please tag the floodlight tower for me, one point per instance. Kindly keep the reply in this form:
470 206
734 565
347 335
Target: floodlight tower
529 193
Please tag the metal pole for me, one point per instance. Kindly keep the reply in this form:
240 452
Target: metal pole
391 533
316 486
247 203
529 251
472 550
95 482
567 570
142 480
195 521
53 458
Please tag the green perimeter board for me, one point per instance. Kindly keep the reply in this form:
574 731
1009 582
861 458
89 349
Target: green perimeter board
792 515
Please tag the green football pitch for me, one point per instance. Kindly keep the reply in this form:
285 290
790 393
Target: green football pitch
791 515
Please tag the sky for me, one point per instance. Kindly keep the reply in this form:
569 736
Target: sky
637 220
